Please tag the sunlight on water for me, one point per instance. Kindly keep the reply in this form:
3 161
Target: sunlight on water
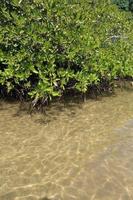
76 151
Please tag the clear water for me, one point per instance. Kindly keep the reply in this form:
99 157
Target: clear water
76 151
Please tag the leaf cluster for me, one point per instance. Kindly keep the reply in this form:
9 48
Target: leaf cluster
49 46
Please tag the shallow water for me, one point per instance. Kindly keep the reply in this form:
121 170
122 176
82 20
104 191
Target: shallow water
76 151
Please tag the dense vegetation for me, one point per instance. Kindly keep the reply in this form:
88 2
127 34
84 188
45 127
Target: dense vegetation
124 4
50 46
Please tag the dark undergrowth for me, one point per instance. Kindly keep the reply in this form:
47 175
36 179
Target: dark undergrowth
69 96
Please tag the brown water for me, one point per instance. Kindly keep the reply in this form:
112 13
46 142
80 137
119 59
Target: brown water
75 152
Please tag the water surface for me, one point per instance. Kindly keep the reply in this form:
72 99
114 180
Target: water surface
76 151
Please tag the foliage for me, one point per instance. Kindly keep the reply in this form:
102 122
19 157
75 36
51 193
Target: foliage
48 46
124 4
